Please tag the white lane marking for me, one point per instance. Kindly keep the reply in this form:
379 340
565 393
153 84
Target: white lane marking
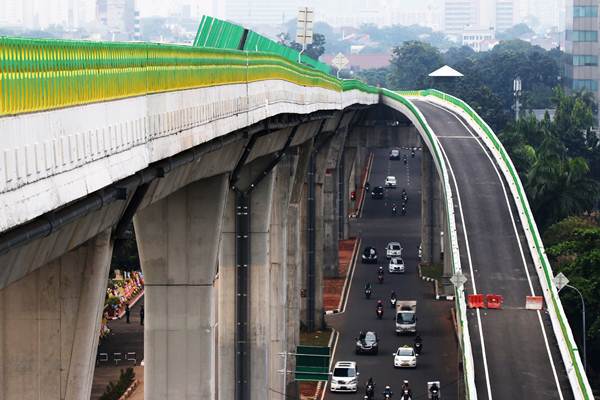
512 218
468 247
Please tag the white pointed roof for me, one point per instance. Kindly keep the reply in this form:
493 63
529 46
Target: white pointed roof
446 72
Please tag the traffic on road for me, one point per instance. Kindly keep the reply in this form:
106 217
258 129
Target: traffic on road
395 340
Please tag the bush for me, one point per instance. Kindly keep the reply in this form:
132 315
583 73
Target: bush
115 391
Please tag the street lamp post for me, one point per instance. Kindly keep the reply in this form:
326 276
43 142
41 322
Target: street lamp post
583 334
561 281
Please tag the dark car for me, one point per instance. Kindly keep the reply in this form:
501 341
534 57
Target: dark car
377 192
368 345
369 255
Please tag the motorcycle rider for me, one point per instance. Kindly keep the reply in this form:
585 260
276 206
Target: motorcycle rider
418 344
393 299
379 309
394 209
434 391
387 392
368 290
406 388
370 389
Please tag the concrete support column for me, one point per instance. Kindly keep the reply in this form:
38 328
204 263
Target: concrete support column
327 224
50 324
431 220
296 252
259 292
178 239
349 161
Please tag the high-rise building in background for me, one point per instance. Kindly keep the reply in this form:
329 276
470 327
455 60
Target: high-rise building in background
460 14
119 17
504 16
582 48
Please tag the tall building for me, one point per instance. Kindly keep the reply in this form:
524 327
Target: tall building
460 14
504 15
119 17
582 48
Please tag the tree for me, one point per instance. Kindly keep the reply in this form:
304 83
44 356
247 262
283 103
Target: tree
516 32
313 50
411 63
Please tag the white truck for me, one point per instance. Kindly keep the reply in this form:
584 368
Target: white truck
406 316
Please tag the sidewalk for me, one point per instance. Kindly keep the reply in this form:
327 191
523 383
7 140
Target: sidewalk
123 338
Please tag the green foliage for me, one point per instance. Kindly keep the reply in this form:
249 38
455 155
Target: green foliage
313 50
553 159
115 391
575 251
516 32
411 63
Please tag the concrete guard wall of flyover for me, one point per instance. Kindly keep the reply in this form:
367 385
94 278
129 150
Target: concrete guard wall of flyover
49 325
404 106
71 152
178 239
431 204
562 330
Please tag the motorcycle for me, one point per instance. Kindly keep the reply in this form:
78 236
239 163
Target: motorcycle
412 154
393 302
406 395
368 293
379 312
405 160
394 210
367 186
418 345
435 394
370 392
403 212
380 277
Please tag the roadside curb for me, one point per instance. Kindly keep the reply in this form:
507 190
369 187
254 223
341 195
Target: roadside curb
436 289
424 278
349 274
439 296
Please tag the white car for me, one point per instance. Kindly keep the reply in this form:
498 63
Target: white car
344 377
390 182
395 154
393 249
405 357
396 265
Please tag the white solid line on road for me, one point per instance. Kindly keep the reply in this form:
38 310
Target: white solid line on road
468 247
545 336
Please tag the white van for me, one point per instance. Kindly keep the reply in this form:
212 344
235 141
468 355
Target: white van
344 377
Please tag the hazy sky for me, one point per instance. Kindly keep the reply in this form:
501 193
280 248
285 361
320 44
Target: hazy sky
46 12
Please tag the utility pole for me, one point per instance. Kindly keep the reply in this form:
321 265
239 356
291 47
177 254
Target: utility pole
304 29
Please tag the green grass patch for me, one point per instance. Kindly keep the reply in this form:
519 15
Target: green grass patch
434 271
317 338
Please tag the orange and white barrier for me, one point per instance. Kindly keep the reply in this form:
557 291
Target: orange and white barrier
534 302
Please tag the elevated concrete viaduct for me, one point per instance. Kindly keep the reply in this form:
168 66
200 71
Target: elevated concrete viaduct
186 218
236 168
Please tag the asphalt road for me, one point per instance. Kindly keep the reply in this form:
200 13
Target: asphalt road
439 360
512 343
